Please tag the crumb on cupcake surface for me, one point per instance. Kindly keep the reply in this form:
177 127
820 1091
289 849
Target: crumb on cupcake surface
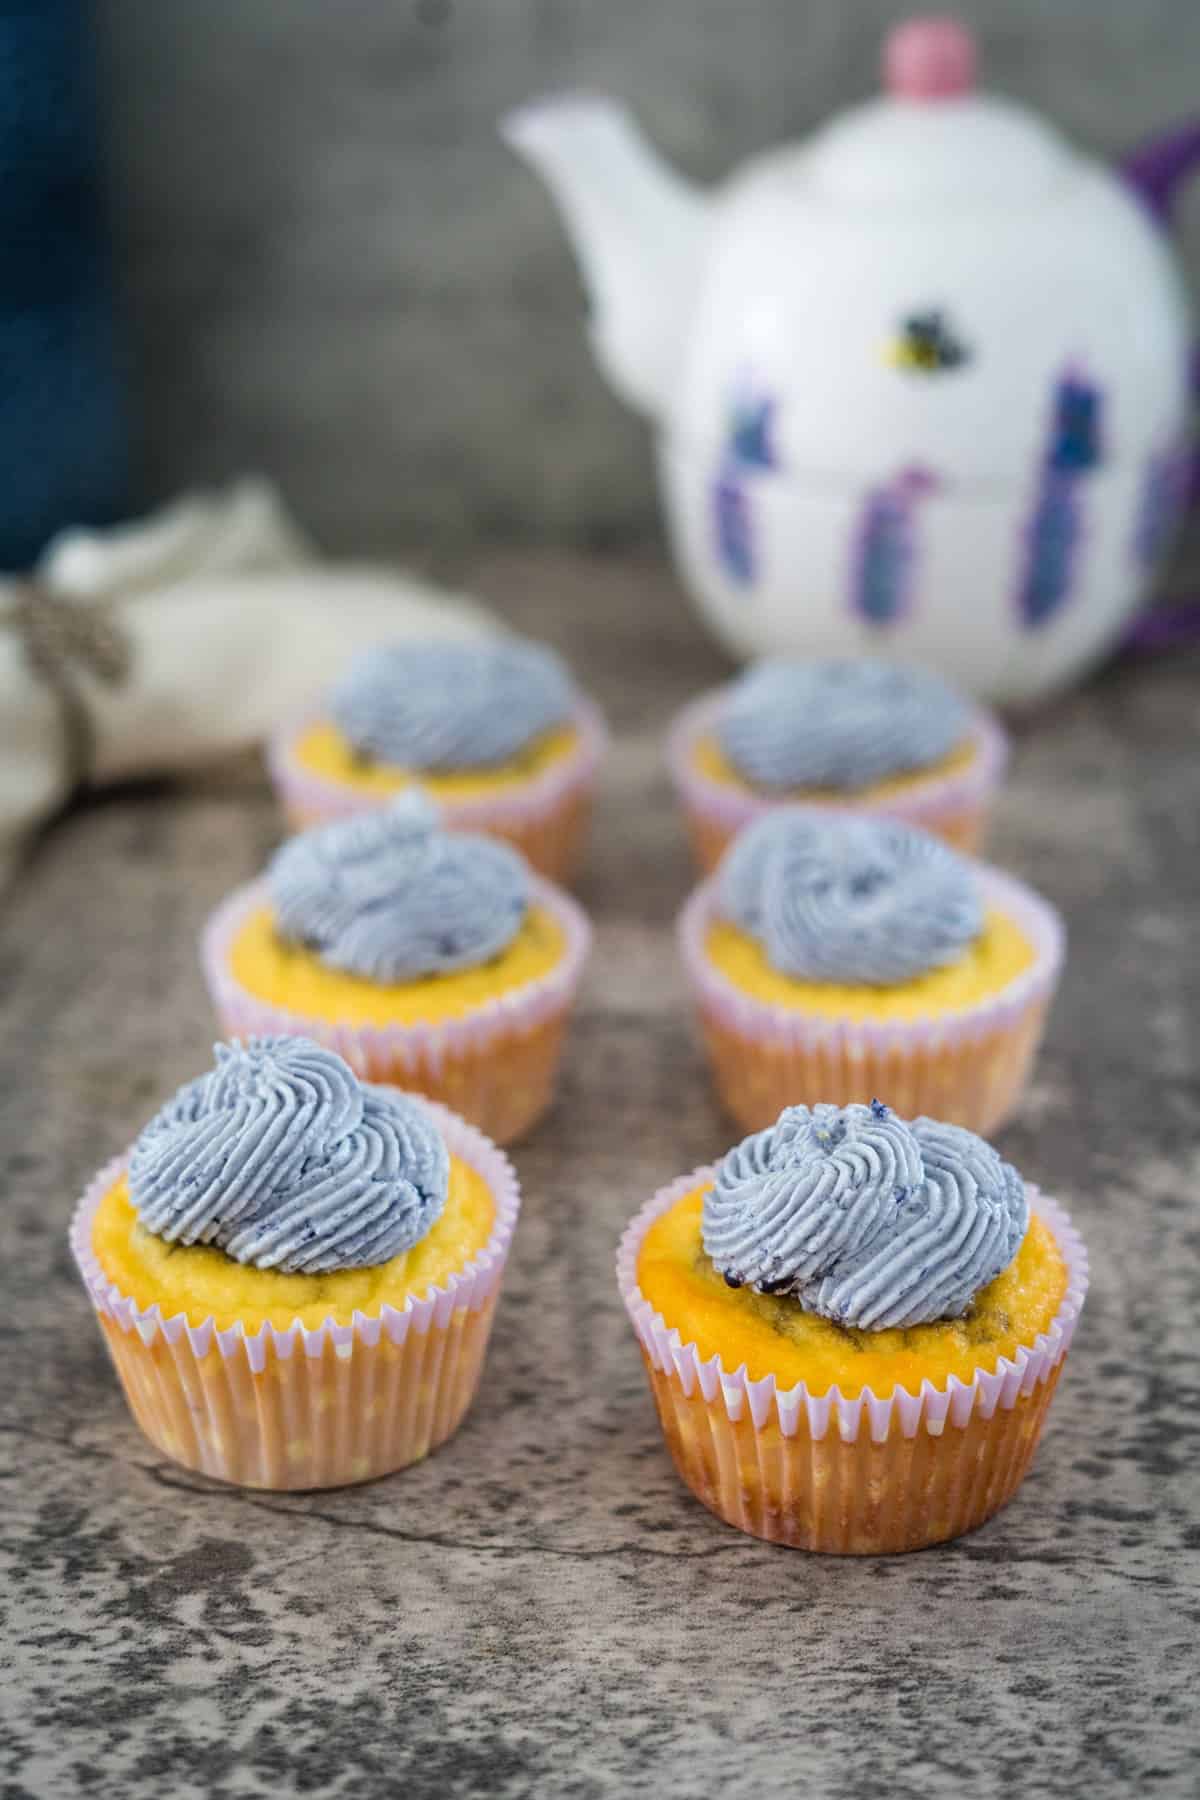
773 1334
204 1282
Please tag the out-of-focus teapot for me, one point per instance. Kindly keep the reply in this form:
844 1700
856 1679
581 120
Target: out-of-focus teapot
921 383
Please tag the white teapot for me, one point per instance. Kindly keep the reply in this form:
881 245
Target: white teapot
921 383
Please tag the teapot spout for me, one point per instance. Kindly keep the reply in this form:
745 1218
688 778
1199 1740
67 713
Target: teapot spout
638 229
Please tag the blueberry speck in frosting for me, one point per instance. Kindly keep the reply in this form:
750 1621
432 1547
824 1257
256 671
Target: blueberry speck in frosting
839 897
436 706
390 896
863 1218
838 724
283 1159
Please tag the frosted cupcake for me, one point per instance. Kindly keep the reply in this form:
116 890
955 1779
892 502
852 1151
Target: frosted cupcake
874 737
494 729
853 1327
429 959
296 1273
836 957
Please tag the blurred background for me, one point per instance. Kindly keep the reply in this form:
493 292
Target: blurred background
329 269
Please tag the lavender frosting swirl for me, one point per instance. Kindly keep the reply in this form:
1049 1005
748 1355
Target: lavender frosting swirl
863 1218
443 706
390 896
841 898
282 1158
837 724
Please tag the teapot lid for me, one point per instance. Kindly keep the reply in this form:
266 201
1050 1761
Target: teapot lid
931 138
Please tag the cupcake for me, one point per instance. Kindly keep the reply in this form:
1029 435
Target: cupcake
835 957
852 1327
296 1273
429 959
494 730
873 737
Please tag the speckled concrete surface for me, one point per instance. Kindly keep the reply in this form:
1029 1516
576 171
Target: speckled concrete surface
541 1609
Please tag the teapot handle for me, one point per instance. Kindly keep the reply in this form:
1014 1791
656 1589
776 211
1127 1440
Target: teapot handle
1155 171
1156 168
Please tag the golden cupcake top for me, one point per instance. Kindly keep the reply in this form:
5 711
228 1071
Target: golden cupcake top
845 1246
278 1187
202 1283
847 898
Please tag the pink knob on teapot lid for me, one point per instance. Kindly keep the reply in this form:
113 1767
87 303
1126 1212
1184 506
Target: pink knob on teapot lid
929 58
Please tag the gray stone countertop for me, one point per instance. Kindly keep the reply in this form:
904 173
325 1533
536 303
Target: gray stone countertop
541 1608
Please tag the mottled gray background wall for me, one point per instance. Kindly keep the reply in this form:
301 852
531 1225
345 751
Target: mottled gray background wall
337 275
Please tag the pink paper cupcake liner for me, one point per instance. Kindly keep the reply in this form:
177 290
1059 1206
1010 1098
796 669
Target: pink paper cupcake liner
968 1067
309 1407
545 817
496 1065
850 1474
953 805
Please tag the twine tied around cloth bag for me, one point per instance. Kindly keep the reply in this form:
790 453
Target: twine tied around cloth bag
63 637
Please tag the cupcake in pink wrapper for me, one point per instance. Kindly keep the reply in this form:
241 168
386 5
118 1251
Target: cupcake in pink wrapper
834 956
853 1327
296 1273
429 959
874 737
493 729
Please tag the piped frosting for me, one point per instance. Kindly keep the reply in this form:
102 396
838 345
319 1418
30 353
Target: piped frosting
391 896
838 724
843 898
865 1219
282 1158
440 706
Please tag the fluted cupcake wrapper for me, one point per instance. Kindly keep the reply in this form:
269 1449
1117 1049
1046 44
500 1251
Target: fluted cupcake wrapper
496 1065
953 805
860 1474
967 1067
546 817
309 1407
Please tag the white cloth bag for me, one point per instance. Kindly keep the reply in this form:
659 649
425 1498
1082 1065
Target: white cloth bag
227 622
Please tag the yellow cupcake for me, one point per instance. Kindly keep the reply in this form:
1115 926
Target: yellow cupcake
791 1311
954 1040
281 1311
492 728
950 796
476 1021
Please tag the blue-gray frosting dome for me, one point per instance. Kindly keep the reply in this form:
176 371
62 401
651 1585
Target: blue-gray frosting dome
863 1218
842 898
840 724
391 896
440 706
282 1158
